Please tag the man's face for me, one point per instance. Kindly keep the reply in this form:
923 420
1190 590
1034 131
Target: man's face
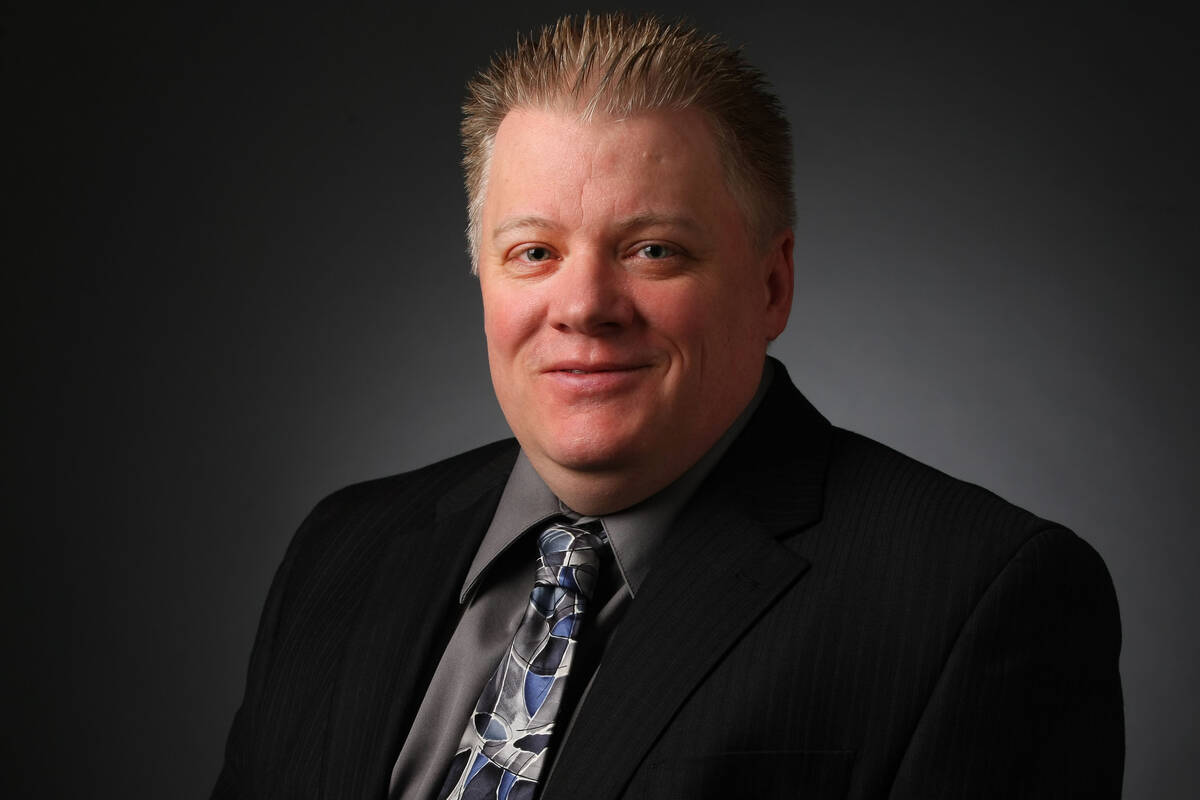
627 309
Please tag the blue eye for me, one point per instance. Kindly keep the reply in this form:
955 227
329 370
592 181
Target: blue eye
656 251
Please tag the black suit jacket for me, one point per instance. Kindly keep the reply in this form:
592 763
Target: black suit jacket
827 618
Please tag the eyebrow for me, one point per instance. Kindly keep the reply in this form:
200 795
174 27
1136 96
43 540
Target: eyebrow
529 221
650 219
629 223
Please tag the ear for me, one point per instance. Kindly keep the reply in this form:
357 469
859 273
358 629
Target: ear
780 277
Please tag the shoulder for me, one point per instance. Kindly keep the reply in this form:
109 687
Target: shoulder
421 489
937 526
873 476
913 554
358 519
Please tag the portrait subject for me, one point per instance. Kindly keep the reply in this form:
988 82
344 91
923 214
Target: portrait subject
677 579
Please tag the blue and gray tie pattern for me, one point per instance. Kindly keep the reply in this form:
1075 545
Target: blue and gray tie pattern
504 752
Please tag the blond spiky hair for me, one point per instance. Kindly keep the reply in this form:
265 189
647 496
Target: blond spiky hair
609 65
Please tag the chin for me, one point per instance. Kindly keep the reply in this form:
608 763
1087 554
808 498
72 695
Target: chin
594 451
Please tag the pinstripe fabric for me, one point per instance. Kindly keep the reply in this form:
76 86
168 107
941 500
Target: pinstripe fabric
847 623
336 671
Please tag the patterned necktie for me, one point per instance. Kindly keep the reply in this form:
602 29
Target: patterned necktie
504 751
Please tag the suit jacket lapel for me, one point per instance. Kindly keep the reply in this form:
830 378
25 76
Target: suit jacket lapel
390 657
682 622
720 569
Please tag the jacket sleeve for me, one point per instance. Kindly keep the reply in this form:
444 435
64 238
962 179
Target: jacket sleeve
1028 703
235 779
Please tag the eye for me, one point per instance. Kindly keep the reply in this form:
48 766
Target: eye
535 254
656 250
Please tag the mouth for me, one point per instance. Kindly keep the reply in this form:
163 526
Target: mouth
593 380
594 369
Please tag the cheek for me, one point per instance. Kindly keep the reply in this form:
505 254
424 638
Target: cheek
686 316
509 319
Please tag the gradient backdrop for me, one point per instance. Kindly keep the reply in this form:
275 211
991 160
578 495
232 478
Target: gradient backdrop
237 281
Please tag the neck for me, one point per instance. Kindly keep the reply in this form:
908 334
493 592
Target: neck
596 493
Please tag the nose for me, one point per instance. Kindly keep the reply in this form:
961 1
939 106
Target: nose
591 296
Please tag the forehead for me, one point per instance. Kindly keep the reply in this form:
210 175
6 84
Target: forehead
552 163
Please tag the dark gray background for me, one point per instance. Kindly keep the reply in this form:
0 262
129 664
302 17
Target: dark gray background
237 281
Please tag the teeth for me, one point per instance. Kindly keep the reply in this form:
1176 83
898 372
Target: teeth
577 372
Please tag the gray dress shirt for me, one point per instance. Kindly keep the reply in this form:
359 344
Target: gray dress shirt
496 592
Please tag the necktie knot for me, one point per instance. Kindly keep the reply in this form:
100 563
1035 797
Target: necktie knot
570 559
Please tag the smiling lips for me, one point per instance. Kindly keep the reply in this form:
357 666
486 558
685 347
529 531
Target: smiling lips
593 367
592 379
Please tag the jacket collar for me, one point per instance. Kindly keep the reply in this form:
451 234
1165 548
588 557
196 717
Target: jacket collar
775 472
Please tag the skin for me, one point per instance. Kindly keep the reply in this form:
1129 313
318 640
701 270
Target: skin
626 306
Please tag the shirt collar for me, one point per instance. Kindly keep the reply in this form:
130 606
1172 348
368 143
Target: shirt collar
633 533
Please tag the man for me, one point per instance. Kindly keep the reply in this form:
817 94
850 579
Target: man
732 597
